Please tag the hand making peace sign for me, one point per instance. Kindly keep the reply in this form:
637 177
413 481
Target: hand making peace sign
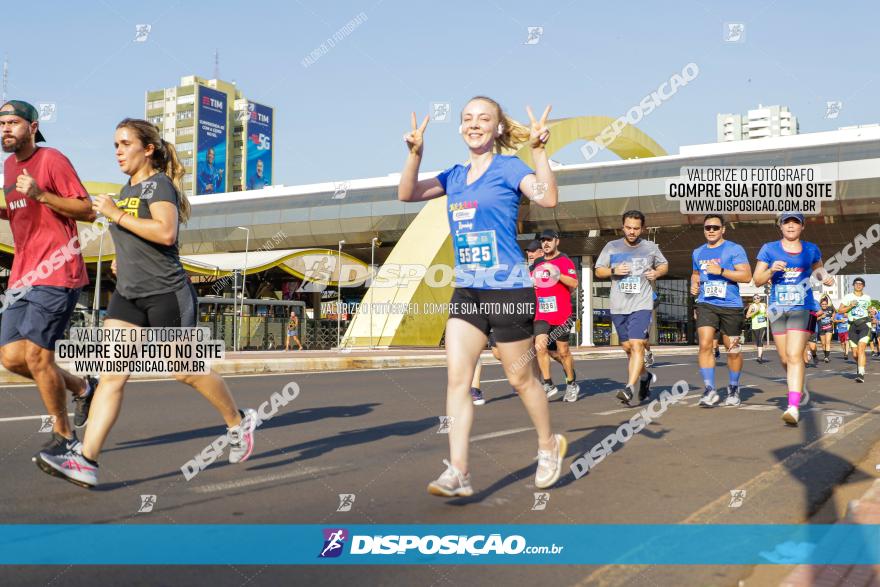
539 132
415 138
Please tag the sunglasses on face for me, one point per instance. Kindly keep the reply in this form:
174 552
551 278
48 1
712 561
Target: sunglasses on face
711 227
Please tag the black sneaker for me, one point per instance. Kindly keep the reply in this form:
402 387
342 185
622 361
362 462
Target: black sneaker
718 353
860 378
645 386
59 444
83 402
625 395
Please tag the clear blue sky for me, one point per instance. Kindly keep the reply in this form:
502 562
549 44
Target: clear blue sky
343 116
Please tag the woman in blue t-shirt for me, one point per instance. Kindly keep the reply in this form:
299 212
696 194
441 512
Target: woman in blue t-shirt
789 264
493 289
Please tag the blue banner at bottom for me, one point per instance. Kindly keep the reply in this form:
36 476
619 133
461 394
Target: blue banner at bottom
720 544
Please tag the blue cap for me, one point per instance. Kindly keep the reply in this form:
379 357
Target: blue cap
788 215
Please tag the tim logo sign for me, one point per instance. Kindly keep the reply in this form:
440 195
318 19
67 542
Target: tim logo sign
334 541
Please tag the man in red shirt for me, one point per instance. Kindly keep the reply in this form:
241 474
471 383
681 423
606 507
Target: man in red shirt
555 277
44 199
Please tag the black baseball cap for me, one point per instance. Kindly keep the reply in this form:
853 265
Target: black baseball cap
533 246
549 234
24 110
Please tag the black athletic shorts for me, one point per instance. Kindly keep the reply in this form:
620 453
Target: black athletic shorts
509 313
560 332
727 321
859 332
167 310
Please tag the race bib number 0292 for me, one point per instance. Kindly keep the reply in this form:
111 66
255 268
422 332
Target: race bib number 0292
631 284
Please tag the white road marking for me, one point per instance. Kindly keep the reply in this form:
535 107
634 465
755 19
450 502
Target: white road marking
239 483
493 380
499 433
670 365
20 418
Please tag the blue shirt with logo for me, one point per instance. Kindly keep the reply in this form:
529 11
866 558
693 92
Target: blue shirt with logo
791 289
482 221
715 289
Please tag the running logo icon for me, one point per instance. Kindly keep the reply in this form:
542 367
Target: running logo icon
534 35
541 501
340 189
148 188
346 500
440 111
833 423
141 32
334 541
147 503
445 424
833 108
47 423
737 497
734 32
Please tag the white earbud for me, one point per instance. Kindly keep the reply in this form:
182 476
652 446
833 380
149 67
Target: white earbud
500 129
460 129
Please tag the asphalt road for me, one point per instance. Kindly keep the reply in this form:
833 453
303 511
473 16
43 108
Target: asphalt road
374 434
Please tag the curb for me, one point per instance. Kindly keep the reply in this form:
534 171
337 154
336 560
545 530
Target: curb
350 361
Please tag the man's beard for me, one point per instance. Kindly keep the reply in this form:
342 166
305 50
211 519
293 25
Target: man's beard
12 147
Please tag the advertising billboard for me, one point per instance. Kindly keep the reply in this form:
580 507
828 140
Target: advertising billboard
212 141
258 152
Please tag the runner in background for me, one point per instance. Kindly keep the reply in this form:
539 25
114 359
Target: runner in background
856 307
842 325
633 265
757 313
555 276
875 332
826 326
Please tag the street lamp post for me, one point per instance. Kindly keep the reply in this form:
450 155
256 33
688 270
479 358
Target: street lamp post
247 239
339 292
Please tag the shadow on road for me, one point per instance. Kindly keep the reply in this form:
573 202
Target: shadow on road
282 420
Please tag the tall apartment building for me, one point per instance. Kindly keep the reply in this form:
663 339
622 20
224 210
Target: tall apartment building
223 139
762 122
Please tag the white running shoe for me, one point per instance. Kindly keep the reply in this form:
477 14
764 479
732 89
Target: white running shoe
550 463
791 416
550 390
241 437
571 392
452 483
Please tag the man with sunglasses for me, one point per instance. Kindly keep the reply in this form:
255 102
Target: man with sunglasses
719 267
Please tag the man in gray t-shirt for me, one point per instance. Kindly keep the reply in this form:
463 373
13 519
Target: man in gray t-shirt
633 265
